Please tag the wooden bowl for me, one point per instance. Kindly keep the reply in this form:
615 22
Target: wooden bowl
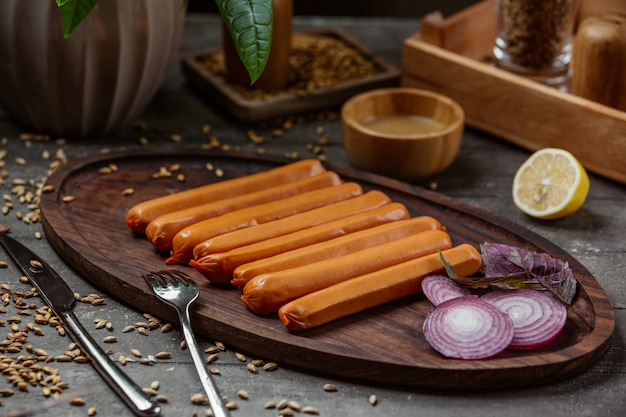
404 133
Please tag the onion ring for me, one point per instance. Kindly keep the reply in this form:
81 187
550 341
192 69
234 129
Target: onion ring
440 288
537 317
468 328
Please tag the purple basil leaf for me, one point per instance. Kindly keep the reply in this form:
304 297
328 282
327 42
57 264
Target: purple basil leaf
500 260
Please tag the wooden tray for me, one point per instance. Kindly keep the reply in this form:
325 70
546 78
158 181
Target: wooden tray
286 104
453 57
382 345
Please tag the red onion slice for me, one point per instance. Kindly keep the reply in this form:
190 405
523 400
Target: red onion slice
468 328
440 288
537 317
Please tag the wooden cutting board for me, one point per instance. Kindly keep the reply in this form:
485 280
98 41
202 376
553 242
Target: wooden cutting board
381 345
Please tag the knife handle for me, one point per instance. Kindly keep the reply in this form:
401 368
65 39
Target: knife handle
124 387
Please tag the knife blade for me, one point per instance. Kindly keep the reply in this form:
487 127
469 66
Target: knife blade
57 294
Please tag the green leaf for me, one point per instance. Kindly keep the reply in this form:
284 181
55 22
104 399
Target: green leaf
250 24
73 13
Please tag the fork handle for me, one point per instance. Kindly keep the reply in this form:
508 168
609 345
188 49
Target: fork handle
123 386
215 398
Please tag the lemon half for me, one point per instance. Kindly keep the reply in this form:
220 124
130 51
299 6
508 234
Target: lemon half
550 184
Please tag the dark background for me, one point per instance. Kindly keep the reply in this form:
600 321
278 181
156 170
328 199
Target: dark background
396 8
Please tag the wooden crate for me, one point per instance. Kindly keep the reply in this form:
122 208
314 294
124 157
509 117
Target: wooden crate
453 56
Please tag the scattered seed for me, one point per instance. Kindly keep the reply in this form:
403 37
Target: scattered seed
270 366
252 368
128 191
146 361
36 265
40 352
309 409
6 392
257 362
161 398
150 392
136 352
166 328
92 411
330 388
373 400
293 405
78 401
68 198
231 405
243 394
240 357
155 385
101 323
211 349
269 405
199 399
163 355
162 173
214 371
110 339
286 412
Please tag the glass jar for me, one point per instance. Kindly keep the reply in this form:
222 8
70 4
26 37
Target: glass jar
534 38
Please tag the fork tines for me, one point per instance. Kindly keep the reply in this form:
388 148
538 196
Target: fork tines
169 277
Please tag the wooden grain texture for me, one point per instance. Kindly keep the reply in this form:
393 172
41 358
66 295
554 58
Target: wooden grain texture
511 107
278 105
599 60
383 345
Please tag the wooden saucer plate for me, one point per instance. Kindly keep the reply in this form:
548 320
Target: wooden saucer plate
381 345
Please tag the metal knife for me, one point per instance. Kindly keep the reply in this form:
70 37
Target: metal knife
58 295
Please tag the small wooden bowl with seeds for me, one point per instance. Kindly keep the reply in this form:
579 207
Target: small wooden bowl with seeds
404 133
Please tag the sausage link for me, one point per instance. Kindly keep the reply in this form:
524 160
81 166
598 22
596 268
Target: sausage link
138 216
266 293
339 246
162 230
374 289
184 241
220 267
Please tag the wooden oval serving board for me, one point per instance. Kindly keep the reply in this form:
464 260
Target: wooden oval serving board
383 345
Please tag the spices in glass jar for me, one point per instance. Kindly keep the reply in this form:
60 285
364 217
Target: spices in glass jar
534 37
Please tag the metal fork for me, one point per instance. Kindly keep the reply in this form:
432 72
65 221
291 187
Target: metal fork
179 290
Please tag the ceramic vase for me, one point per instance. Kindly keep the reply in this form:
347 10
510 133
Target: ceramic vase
100 78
